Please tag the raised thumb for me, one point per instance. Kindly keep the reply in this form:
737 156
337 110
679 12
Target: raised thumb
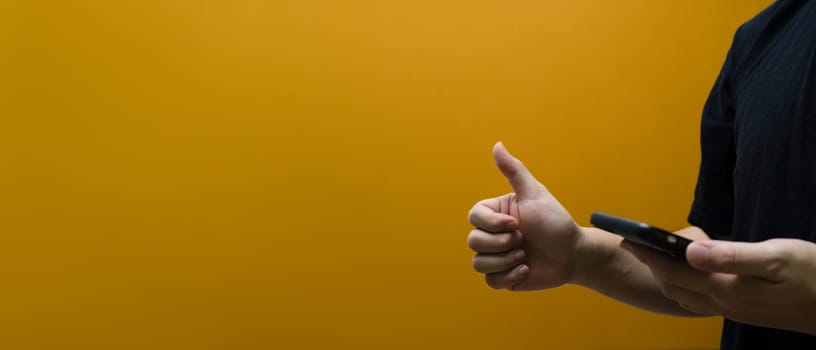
760 259
523 183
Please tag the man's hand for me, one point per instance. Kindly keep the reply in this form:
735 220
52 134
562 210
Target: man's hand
524 240
770 283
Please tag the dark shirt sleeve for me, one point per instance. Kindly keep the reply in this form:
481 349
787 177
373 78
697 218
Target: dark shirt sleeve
713 206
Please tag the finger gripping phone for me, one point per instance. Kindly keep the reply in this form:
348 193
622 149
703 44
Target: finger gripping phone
642 234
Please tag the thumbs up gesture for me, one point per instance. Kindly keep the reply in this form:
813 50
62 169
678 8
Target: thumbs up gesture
523 240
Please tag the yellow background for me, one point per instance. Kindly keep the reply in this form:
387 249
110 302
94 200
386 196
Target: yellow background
296 174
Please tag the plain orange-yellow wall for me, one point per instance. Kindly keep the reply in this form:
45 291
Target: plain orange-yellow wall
295 174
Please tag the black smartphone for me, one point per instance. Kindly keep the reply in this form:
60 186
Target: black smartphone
643 234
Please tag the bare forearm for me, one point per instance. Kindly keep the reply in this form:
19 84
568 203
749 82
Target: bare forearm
606 268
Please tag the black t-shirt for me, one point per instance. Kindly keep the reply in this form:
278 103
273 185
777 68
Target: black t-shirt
758 172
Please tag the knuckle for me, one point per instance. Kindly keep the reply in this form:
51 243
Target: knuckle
727 259
478 264
504 242
778 261
487 264
473 241
472 216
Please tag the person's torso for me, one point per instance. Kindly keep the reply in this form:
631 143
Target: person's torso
775 143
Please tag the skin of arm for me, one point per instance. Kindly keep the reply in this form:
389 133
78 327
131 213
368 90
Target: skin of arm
606 268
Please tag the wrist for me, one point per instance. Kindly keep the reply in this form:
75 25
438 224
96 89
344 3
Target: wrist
595 254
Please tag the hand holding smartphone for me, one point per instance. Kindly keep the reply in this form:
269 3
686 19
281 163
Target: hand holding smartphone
643 234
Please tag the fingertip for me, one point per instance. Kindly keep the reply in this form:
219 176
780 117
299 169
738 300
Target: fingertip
498 149
523 270
502 157
499 146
